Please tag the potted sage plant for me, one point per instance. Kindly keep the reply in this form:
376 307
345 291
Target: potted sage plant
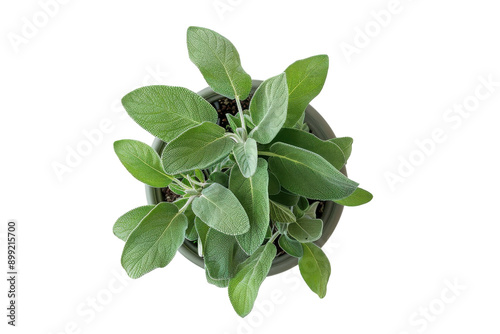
244 180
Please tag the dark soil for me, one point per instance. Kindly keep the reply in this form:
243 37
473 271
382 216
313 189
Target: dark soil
169 195
226 106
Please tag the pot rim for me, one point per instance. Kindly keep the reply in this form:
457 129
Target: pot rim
331 214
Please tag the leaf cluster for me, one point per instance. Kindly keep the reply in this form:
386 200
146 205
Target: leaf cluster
243 190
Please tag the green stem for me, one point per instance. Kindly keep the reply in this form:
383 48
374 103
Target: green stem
274 236
185 206
184 186
242 117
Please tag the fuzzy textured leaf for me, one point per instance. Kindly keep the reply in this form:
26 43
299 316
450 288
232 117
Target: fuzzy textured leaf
345 144
306 229
197 148
246 156
222 255
308 174
280 213
154 243
292 247
358 197
130 220
219 208
167 111
305 79
268 108
315 268
253 196
330 151
244 287
142 161
219 62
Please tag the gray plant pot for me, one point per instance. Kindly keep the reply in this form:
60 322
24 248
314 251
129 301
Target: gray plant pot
331 213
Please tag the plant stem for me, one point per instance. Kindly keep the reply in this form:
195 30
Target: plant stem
274 236
185 206
182 185
240 110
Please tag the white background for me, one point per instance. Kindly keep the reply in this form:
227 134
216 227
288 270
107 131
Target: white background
393 260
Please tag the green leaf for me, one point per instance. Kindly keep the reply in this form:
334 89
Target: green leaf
142 161
292 247
222 255
197 148
308 174
286 198
167 111
219 62
234 122
358 197
274 187
129 221
305 79
345 144
154 243
315 268
303 203
220 178
199 175
246 156
306 229
220 283
253 196
220 209
268 108
280 213
191 233
202 230
330 151
311 210
176 189
244 287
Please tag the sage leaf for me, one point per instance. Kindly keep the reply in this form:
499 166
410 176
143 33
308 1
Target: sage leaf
311 210
292 247
274 187
197 148
154 243
246 156
220 283
191 233
330 151
220 209
305 79
315 268
345 144
222 255
268 108
176 189
280 213
286 198
202 230
234 122
244 287
167 111
220 178
142 161
129 221
199 175
306 229
308 174
358 197
253 196
219 62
